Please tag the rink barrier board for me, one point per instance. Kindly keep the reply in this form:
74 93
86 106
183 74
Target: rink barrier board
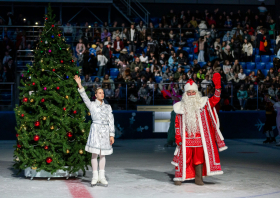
237 124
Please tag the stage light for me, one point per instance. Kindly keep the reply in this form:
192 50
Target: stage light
36 23
89 26
24 19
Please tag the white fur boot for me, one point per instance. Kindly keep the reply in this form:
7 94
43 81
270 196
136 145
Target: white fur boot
102 178
94 178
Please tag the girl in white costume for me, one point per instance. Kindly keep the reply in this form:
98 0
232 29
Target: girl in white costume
102 132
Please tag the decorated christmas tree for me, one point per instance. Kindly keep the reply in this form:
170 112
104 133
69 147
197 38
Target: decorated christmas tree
51 127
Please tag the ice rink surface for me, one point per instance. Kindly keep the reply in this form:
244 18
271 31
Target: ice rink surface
142 168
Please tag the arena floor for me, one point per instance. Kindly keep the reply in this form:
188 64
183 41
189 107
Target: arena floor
141 168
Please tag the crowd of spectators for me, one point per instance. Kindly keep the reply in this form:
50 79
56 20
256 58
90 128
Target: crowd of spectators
138 59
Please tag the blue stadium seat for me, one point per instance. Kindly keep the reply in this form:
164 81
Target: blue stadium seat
269 65
186 70
187 49
265 72
264 58
191 62
190 40
250 65
256 71
247 71
257 58
114 71
158 79
175 48
195 56
113 77
272 50
93 78
190 57
254 51
257 51
190 46
243 64
272 57
154 20
202 64
82 77
260 65
273 42
139 50
116 55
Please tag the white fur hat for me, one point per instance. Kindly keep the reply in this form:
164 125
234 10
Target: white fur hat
190 85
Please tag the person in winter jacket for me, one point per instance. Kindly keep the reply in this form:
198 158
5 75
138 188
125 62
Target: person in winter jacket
242 96
247 51
167 74
227 54
182 60
135 64
227 37
236 47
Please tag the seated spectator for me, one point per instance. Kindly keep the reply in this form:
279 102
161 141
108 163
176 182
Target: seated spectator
167 74
252 77
108 92
161 46
151 83
178 73
210 73
242 96
172 61
144 94
195 79
147 73
227 54
170 49
200 75
182 60
156 69
196 66
228 23
260 77
251 92
87 82
271 74
119 80
230 75
247 51
6 58
226 67
206 67
242 76
267 81
227 37
97 83
118 45
116 34
105 34
180 50
136 64
183 81
236 66
144 59
151 58
189 74
140 27
124 55
193 22
205 83
123 66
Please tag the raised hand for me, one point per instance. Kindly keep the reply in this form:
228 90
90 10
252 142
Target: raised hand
77 79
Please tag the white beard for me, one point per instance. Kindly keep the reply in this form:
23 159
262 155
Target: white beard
191 106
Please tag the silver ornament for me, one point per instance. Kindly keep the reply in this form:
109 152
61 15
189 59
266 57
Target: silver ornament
46 42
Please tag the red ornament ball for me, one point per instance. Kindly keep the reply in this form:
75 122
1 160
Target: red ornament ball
53 70
41 41
75 112
37 123
22 115
57 88
61 61
36 138
59 35
72 61
48 160
16 135
64 109
46 147
33 83
46 18
52 25
69 134
25 99
42 100
18 145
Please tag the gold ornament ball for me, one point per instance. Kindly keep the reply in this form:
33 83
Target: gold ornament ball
88 113
66 97
44 118
83 130
67 151
41 61
31 100
17 159
52 127
81 151
34 167
43 70
24 128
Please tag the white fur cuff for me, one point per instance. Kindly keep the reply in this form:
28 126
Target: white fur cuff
223 148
